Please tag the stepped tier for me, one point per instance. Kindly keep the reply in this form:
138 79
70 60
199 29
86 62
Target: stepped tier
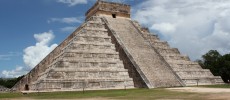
88 55
110 51
188 71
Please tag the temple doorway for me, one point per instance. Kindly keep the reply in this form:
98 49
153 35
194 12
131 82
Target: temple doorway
27 87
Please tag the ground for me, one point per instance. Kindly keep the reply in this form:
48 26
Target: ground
212 93
181 93
201 90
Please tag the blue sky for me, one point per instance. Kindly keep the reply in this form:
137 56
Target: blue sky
30 29
21 19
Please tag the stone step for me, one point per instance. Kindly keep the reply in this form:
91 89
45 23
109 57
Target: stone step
92 43
58 74
94 19
94 36
92 47
95 22
92 60
164 51
93 33
161 47
90 30
194 74
105 67
91 55
90 70
92 51
185 66
202 81
194 80
90 65
154 39
219 81
191 70
89 80
85 81
55 85
176 57
161 44
95 29
49 67
182 62
95 25
203 77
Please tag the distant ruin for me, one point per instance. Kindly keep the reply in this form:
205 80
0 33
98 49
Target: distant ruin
111 51
4 89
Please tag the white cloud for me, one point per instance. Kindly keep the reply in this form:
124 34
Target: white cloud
76 2
164 27
68 20
193 26
33 54
68 29
14 73
73 2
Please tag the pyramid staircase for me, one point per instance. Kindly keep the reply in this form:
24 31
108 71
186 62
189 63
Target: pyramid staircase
113 52
190 72
142 54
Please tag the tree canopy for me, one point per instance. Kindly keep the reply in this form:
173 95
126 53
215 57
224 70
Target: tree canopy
218 64
9 82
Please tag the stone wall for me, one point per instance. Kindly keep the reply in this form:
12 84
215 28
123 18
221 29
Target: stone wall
144 58
109 8
88 60
46 63
189 72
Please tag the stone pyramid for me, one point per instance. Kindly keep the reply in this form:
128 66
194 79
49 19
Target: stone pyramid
110 51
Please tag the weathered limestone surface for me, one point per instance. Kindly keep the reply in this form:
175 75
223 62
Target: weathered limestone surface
4 89
143 54
190 72
89 61
109 8
110 51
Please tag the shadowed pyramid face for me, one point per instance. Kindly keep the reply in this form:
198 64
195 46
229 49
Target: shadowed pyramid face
110 51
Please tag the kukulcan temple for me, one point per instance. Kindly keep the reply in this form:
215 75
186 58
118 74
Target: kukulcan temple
112 51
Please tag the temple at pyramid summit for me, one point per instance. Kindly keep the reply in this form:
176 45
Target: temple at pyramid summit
111 51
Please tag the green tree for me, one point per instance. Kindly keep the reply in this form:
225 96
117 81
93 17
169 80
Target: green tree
219 65
9 82
211 61
225 69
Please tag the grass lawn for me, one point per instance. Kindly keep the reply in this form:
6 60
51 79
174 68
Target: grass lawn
130 94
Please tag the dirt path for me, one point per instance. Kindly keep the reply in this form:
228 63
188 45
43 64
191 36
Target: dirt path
211 93
201 90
